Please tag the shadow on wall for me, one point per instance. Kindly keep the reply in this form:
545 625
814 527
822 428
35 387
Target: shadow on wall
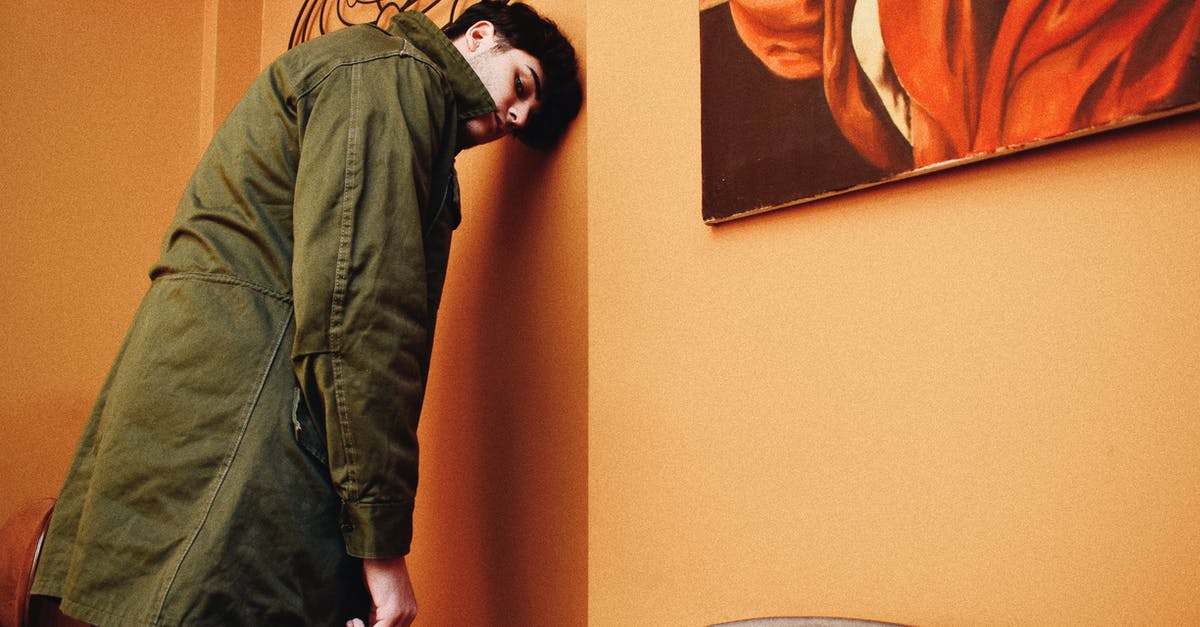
508 425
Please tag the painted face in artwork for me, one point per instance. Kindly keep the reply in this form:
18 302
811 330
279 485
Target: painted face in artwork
786 35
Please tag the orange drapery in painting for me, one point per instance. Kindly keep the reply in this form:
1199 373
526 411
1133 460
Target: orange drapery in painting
857 110
1049 67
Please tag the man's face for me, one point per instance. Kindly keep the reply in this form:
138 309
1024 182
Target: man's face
513 78
785 35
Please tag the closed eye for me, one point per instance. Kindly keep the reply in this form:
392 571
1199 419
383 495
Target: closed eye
537 83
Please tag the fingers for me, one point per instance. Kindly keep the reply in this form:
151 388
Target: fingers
401 617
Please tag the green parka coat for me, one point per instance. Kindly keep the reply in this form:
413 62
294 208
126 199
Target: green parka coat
257 434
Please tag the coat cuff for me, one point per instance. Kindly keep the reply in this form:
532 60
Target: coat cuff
377 530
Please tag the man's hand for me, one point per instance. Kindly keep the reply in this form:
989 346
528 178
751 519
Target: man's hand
393 603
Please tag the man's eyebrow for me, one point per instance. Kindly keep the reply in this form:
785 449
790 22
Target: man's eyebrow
537 83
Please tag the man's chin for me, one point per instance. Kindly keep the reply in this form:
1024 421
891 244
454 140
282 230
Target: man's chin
470 135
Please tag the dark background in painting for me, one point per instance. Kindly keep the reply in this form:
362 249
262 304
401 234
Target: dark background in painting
766 141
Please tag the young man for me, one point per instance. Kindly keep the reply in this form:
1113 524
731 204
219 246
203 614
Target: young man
252 457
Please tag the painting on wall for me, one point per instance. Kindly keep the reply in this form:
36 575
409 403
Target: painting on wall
804 99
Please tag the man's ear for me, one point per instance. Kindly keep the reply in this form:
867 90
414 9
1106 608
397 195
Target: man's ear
481 35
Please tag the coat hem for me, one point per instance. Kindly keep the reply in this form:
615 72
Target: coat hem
97 616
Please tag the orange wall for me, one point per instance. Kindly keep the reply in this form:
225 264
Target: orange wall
100 113
964 399
104 119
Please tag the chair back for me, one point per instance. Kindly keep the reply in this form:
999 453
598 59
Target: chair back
20 545
806 621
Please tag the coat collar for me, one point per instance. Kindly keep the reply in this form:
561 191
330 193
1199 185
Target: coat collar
470 95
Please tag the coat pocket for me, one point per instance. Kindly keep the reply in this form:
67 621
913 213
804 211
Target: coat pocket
305 430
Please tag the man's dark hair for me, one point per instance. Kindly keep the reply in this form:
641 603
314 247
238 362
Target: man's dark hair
519 26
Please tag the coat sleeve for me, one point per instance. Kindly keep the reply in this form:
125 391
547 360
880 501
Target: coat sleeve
368 136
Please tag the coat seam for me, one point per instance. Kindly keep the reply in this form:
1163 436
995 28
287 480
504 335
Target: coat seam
349 63
404 52
251 404
212 277
341 278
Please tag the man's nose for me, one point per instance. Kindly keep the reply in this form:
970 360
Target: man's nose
518 114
